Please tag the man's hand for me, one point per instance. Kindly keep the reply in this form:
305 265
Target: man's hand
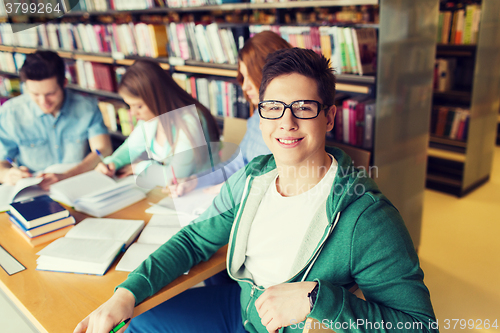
107 169
125 171
13 175
49 179
184 186
213 189
117 309
284 304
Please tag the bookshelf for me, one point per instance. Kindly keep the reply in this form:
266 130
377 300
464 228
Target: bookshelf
459 166
401 87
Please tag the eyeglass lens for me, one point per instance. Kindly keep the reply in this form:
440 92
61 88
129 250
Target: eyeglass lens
301 109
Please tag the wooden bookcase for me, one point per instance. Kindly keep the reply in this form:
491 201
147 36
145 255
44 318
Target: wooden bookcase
458 167
402 88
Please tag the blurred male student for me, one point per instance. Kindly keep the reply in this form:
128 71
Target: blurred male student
49 125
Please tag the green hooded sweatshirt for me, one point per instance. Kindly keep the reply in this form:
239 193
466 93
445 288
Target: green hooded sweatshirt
356 236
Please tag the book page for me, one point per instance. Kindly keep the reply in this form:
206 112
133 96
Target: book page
81 185
135 255
24 183
193 203
115 229
157 234
87 250
8 192
163 220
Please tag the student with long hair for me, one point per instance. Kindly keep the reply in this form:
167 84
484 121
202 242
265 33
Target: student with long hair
251 61
174 130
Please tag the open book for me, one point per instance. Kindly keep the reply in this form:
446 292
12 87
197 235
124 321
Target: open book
90 247
185 208
24 189
27 188
96 194
159 230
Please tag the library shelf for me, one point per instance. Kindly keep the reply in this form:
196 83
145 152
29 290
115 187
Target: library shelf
4 73
101 93
453 96
469 162
231 7
446 154
455 50
446 141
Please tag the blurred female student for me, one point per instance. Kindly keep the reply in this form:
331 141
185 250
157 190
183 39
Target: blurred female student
251 61
173 134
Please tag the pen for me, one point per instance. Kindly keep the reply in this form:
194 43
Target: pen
173 174
120 325
102 158
14 164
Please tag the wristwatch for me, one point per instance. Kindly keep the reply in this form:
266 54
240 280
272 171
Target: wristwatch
313 295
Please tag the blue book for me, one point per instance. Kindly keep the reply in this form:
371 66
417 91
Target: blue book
42 229
37 211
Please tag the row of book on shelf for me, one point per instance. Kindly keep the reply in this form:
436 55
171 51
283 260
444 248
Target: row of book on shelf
128 38
9 87
459 25
222 98
354 121
352 50
450 122
103 5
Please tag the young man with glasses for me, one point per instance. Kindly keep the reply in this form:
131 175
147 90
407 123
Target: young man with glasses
302 227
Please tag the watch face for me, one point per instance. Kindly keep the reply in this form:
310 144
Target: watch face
313 295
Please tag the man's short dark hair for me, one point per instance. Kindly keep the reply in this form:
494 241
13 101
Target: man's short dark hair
43 65
304 62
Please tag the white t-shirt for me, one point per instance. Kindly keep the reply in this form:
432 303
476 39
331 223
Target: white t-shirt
279 227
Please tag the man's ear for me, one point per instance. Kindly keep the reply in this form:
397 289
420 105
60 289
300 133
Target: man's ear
330 118
65 82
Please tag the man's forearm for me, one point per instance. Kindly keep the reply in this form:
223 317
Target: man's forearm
4 168
89 163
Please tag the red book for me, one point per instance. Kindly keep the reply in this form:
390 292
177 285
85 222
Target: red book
360 123
352 121
192 80
441 121
339 127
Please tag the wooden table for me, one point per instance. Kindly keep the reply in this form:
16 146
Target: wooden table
57 302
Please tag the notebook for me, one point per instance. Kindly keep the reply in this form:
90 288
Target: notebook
90 247
96 194
36 211
158 230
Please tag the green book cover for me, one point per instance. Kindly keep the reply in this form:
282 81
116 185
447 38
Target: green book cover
440 27
351 54
469 17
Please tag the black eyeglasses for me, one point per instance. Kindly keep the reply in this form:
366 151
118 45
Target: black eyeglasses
303 109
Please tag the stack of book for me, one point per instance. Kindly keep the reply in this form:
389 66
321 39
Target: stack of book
40 220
